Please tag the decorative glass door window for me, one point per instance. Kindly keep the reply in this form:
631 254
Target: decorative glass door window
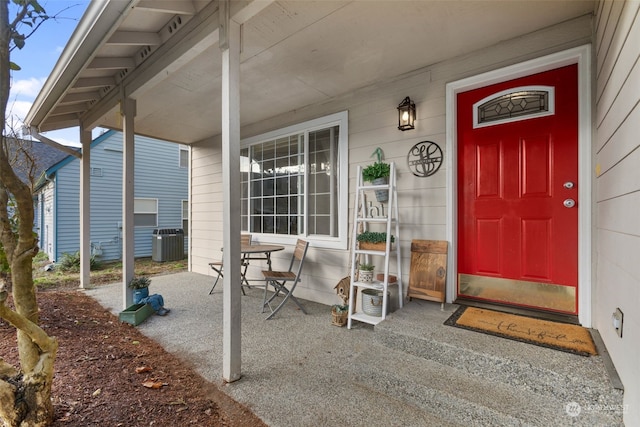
515 104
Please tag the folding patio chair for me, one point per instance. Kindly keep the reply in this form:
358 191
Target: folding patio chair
278 279
245 240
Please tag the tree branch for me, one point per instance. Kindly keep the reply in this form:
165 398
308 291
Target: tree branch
38 336
21 241
7 370
22 12
7 238
41 15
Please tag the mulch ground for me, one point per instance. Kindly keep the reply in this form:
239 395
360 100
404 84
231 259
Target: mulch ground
108 374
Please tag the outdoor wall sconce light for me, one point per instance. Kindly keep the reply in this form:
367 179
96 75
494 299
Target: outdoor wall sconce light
406 114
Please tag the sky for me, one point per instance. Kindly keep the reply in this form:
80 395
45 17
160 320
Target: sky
37 59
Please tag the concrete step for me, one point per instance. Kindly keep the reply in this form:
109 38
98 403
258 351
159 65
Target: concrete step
475 376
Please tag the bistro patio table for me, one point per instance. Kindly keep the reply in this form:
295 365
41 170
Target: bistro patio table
248 252
256 252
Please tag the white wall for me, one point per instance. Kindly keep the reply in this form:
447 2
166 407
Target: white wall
373 123
617 122
206 205
46 233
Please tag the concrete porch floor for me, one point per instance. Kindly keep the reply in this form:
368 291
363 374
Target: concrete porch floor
410 370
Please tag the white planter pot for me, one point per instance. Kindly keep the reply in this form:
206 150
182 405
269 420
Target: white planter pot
365 276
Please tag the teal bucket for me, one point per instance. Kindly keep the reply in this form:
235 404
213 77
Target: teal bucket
140 294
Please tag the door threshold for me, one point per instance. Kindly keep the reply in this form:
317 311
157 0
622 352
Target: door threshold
538 314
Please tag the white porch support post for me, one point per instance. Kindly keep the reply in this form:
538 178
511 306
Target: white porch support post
85 215
231 339
128 112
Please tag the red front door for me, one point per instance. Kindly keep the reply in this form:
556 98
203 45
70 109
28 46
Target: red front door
517 192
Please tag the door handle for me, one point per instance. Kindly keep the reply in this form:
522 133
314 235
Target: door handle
569 203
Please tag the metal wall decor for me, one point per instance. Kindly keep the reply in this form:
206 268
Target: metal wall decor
424 159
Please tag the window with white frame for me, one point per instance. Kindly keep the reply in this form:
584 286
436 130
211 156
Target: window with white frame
295 182
184 156
145 212
185 217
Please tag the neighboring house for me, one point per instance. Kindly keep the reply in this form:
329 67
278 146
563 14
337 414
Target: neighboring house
314 88
30 159
160 188
43 157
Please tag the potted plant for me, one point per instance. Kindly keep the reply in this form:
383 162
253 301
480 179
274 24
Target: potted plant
365 272
378 174
373 240
138 312
339 314
140 286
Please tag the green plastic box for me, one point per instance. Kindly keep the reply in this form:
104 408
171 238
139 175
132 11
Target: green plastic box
136 314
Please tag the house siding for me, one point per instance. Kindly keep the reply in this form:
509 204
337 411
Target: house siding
67 210
106 198
157 176
617 123
38 216
373 123
206 206
47 211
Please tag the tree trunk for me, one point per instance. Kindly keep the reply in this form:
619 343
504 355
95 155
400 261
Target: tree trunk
25 394
25 397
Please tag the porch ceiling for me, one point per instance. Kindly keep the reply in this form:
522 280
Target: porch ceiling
164 54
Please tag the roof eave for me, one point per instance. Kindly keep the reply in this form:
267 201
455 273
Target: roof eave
96 25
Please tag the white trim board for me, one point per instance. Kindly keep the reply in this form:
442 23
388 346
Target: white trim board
582 57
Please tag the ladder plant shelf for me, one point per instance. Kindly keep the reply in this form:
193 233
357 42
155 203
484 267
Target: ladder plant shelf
370 244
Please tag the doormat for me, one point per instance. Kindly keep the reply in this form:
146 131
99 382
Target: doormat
559 336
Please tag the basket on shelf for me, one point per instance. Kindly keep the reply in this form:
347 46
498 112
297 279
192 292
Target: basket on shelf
372 302
368 246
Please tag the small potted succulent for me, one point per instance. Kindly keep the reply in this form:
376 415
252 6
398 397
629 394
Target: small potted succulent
365 272
140 286
139 311
339 314
378 174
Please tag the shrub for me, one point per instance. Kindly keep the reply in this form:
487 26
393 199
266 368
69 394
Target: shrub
41 257
71 262
373 237
366 267
375 171
139 282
